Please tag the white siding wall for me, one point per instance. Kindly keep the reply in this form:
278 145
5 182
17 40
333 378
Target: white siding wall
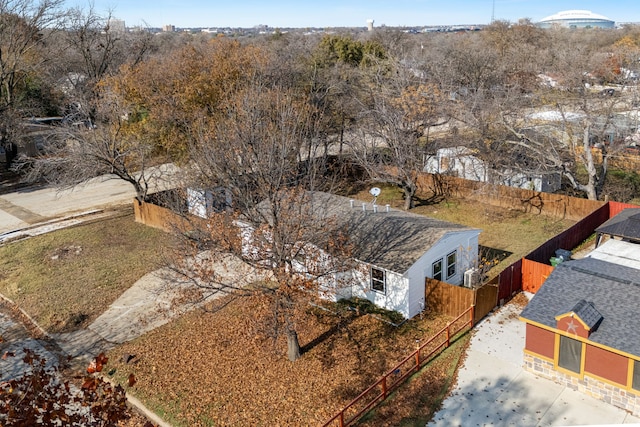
465 244
461 163
197 202
396 296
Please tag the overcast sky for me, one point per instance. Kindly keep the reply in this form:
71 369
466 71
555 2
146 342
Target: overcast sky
347 13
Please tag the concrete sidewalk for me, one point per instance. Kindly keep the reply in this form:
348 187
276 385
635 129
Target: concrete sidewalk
493 389
153 300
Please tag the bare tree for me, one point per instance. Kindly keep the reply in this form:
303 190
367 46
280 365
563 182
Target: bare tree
583 135
394 124
574 125
94 49
24 27
75 153
274 225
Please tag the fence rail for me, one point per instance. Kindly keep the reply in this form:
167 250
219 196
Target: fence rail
411 364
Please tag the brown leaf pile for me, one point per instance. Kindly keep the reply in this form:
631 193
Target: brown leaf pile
218 368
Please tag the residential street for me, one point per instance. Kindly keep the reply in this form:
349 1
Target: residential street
29 207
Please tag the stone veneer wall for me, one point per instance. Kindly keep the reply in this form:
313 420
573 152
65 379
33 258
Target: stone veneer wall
588 385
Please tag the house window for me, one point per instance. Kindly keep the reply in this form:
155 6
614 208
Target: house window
451 264
570 354
436 270
378 280
635 381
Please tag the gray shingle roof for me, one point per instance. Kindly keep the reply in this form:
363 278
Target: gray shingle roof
587 313
613 290
392 240
626 224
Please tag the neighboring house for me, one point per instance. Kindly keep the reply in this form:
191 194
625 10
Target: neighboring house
583 328
461 162
396 251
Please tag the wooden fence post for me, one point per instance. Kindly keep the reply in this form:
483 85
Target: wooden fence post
448 334
384 387
473 314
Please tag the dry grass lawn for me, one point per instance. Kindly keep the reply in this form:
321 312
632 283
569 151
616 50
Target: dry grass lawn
67 278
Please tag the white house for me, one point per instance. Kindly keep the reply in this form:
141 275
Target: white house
461 162
394 251
398 250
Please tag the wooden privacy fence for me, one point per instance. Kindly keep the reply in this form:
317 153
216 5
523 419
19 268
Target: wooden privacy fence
452 300
155 216
411 364
509 282
534 275
556 205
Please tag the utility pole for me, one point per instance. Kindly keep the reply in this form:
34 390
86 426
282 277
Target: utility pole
493 11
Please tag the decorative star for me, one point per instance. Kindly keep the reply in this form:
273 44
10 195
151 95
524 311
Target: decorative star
572 327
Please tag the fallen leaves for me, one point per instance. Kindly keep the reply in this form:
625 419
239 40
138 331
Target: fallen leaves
218 368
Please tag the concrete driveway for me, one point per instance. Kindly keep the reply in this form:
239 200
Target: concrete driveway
494 390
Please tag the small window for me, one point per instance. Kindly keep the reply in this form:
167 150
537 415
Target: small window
570 354
451 264
436 270
635 381
378 280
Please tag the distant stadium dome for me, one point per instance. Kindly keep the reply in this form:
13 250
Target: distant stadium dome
576 19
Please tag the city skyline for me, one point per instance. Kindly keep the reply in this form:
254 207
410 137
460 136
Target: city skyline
345 13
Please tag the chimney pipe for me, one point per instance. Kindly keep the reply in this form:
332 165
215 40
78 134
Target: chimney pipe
388 207
351 202
364 207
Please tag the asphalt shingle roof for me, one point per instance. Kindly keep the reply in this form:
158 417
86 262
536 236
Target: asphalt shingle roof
392 240
613 290
587 313
626 224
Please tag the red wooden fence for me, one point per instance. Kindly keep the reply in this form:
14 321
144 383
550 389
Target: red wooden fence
411 364
534 275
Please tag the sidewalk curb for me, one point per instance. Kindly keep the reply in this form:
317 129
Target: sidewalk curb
139 406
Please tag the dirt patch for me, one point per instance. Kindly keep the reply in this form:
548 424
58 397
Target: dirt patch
65 252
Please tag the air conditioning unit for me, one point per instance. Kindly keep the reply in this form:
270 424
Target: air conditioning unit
471 278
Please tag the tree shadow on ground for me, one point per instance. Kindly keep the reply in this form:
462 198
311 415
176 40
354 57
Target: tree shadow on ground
489 253
434 199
